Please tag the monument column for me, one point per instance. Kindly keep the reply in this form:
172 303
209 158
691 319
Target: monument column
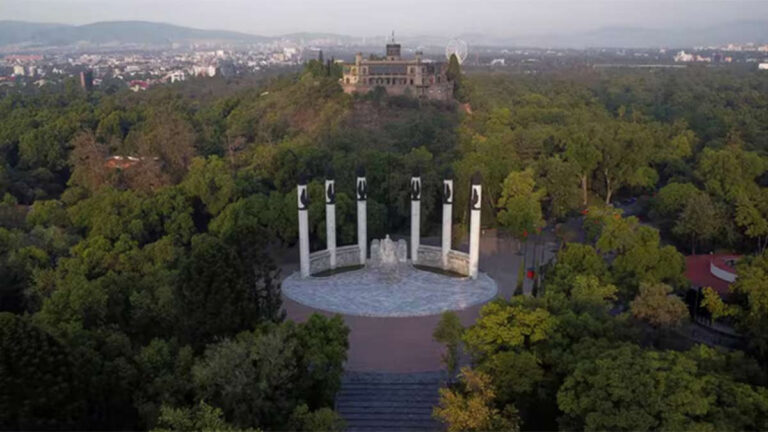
361 187
474 225
447 219
415 217
330 219
303 200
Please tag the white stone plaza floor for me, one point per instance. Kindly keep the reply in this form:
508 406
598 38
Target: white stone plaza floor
404 291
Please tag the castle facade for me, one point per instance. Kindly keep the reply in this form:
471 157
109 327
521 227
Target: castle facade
398 76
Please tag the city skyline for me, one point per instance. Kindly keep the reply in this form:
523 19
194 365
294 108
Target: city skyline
445 18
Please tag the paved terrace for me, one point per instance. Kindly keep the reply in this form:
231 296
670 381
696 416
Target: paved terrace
387 344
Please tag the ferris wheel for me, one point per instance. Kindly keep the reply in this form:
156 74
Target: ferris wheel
457 47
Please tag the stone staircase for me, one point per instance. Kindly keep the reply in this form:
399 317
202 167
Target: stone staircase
389 401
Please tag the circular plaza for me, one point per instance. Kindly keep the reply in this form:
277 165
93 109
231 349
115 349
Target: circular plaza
400 291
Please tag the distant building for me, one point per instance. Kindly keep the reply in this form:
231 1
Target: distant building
498 62
397 76
86 80
18 70
176 76
762 66
204 71
138 85
121 162
682 56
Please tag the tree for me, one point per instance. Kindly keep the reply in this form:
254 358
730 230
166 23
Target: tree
751 290
627 388
261 378
582 148
38 385
253 378
169 137
449 331
562 190
520 203
224 288
324 419
626 157
324 344
471 408
752 215
589 291
673 197
504 326
658 306
202 417
89 162
211 181
454 75
516 376
729 171
639 255
698 220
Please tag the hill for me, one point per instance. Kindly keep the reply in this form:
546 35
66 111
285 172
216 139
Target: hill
112 32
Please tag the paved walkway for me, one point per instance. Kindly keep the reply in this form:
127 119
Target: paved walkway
401 345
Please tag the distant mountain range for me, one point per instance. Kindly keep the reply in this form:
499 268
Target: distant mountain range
26 35
112 33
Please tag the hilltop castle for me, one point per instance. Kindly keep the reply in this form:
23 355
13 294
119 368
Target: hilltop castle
398 76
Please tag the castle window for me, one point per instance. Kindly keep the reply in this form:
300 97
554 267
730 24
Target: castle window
411 81
347 80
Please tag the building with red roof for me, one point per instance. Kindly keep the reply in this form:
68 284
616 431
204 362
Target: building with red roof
717 271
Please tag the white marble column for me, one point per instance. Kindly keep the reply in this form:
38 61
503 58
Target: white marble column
330 220
474 225
303 202
362 229
415 218
447 220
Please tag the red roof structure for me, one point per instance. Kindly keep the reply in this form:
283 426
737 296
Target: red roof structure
716 271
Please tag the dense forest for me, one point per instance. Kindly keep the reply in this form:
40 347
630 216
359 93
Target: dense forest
139 289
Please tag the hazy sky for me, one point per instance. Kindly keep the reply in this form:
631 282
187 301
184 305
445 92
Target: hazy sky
376 17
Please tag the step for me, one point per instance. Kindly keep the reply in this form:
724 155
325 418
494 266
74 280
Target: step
389 402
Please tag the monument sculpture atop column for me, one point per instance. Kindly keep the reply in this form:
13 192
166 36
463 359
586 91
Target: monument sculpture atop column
330 218
476 203
415 217
390 285
361 190
303 200
441 257
447 218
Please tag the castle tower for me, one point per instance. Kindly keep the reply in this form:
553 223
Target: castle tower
393 49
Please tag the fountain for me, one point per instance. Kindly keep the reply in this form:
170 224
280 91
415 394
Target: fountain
386 253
